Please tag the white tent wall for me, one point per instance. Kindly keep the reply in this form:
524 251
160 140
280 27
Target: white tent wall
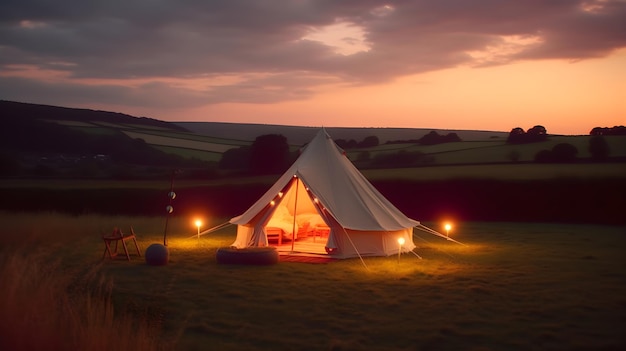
371 243
244 236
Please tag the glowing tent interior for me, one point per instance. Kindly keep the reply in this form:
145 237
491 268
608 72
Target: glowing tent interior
322 204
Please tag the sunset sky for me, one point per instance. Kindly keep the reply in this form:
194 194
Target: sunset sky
445 64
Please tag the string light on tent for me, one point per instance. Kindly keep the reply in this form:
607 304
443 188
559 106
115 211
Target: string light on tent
272 203
280 194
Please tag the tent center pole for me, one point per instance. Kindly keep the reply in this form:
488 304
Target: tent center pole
295 210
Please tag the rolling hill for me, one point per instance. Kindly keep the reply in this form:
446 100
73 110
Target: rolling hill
33 133
298 135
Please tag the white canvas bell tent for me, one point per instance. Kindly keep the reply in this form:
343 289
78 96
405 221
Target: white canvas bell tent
323 189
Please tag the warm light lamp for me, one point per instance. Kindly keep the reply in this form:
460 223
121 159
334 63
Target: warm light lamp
400 243
448 226
198 224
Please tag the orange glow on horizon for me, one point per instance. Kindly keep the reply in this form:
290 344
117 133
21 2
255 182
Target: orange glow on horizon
566 97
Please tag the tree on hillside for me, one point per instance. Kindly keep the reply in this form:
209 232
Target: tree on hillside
516 135
537 133
235 159
346 144
616 130
564 152
370 141
534 134
434 138
543 156
560 153
599 148
269 154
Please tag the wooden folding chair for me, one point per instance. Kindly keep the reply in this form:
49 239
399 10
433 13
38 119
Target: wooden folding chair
116 237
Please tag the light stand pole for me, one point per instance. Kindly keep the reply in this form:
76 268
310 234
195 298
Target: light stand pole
400 243
157 254
169 209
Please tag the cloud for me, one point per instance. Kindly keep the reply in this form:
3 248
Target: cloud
263 44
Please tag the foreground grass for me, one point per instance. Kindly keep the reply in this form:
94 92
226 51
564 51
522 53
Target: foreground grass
513 287
54 297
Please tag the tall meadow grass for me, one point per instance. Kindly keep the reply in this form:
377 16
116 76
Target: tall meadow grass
51 300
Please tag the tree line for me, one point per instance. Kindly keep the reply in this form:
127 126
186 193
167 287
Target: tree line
565 152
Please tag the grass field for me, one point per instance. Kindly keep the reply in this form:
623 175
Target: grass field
513 287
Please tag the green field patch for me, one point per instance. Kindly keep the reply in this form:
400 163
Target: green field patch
108 124
144 126
456 146
72 123
197 137
190 153
96 130
180 143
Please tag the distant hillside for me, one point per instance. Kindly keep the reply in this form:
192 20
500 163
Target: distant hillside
50 140
16 112
299 135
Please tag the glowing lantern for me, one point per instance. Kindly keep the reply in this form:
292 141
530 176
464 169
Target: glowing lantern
198 224
400 243
448 226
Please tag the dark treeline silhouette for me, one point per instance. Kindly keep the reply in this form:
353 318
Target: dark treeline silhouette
560 153
268 154
534 134
617 130
550 200
431 138
370 141
599 148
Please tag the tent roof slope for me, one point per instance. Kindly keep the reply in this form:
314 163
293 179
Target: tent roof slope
339 186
